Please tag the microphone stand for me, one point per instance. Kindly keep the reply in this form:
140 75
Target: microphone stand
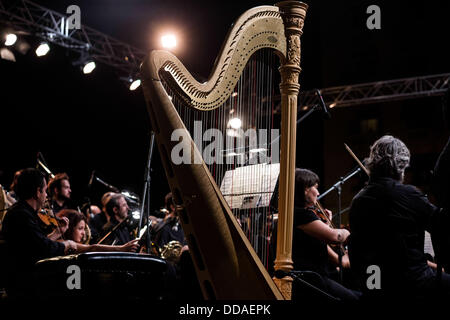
296 275
146 193
338 187
314 108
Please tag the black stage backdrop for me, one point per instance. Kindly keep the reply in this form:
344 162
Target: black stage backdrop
91 122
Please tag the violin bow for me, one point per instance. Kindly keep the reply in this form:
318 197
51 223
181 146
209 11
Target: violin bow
356 159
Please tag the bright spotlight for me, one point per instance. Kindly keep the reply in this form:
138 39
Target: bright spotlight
136 214
169 41
235 123
11 38
89 67
135 84
43 49
7 55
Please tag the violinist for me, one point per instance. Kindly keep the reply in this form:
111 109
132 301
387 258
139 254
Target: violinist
313 235
26 242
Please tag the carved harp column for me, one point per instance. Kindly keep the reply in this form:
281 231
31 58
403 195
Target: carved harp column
293 14
227 265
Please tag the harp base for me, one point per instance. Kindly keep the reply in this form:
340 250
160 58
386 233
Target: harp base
285 286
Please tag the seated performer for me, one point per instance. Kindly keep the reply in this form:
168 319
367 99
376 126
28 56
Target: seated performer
169 229
12 197
76 229
59 191
25 240
388 220
441 191
117 210
181 268
312 236
97 222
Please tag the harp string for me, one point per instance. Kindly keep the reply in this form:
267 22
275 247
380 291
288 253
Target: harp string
253 103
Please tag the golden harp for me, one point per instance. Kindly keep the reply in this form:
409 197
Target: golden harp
227 265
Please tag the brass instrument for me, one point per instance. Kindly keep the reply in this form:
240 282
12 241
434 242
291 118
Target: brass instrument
227 266
3 203
171 251
87 234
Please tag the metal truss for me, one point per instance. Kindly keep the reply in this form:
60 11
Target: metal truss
381 91
28 17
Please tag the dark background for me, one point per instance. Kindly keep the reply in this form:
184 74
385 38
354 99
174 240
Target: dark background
91 122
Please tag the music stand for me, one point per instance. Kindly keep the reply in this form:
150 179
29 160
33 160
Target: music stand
240 194
146 193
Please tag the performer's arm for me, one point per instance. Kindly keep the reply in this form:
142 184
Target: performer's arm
73 247
321 231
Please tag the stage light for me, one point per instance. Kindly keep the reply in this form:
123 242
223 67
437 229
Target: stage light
23 47
89 67
235 123
169 41
7 55
11 38
136 215
135 84
43 49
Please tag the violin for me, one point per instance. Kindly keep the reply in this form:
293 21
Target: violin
321 214
49 222
49 219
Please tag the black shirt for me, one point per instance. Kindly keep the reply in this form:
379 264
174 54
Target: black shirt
57 208
441 190
387 222
119 236
26 244
169 230
308 253
96 225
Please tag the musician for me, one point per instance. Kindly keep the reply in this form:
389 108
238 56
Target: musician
441 191
170 228
76 229
117 210
26 241
388 220
182 279
12 197
89 210
97 222
312 236
59 191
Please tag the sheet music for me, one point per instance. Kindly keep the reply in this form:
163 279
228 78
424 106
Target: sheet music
250 186
428 245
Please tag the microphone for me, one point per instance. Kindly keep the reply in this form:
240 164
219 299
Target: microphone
297 275
91 179
107 184
326 114
279 274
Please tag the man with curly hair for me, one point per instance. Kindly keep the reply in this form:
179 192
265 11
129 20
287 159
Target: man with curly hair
388 220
